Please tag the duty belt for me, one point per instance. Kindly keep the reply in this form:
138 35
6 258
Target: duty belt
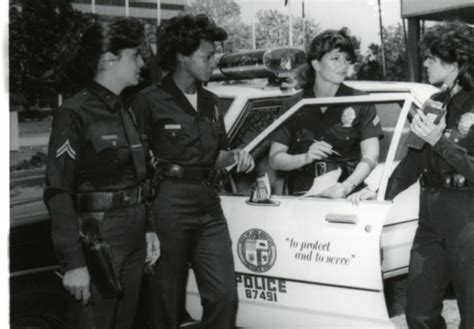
445 181
102 201
208 175
319 168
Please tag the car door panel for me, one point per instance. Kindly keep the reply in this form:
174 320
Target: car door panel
399 231
314 262
309 270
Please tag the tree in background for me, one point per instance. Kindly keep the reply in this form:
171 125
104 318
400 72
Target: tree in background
395 56
272 30
271 26
226 14
40 34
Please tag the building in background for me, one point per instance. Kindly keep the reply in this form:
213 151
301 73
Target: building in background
416 11
149 10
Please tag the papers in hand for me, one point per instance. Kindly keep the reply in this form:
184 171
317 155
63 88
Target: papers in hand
323 182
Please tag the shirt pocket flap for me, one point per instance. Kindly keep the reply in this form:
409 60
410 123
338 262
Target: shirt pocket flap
110 141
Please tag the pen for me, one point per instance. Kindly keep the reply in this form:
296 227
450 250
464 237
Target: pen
332 151
336 153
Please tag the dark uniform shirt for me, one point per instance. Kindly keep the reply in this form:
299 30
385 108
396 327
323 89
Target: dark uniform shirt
177 132
453 153
89 151
342 126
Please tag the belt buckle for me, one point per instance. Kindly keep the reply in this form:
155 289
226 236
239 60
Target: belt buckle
126 200
459 181
320 168
176 171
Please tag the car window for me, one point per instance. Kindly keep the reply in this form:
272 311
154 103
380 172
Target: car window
257 115
388 114
258 118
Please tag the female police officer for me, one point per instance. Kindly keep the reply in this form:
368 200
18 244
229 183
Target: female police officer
187 135
320 139
96 169
443 249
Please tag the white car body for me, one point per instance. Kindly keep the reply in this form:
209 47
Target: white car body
314 262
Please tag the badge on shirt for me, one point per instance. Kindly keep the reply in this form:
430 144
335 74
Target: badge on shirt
448 132
66 148
348 116
465 123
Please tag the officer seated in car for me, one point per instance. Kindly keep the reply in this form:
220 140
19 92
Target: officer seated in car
317 140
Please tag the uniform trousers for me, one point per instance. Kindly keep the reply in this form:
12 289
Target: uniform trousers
193 231
124 230
442 251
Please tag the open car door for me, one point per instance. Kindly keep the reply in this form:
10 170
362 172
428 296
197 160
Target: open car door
310 262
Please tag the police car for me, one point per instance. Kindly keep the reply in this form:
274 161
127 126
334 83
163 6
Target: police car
301 262
309 262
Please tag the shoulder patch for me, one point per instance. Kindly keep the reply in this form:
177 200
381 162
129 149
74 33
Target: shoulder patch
376 120
466 122
66 148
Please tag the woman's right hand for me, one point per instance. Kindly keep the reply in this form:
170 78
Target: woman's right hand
77 283
317 151
364 194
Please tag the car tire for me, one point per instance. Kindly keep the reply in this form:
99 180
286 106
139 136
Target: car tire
37 302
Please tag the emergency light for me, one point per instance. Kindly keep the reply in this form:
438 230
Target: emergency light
263 63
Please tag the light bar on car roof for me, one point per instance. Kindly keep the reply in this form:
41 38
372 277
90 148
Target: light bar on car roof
263 63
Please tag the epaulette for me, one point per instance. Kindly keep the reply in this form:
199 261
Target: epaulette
208 93
77 100
293 99
151 88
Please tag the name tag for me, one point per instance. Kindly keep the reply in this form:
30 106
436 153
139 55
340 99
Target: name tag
172 126
109 137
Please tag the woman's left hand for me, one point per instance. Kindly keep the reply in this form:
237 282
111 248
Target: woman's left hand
152 248
243 160
426 129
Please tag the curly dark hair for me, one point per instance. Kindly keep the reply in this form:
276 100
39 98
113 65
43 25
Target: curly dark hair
453 42
98 38
323 43
183 35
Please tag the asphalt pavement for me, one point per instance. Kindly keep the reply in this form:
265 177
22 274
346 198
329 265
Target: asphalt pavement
395 292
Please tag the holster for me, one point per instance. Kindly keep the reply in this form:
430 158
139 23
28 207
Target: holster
216 177
98 259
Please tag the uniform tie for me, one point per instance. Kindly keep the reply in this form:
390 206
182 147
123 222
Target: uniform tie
136 147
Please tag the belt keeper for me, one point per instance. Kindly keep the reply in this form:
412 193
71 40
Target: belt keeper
139 196
320 168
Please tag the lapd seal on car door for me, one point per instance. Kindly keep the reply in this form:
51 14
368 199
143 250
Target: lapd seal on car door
256 250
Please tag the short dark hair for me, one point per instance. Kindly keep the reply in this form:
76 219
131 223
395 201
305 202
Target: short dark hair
322 44
102 37
453 42
82 51
183 35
